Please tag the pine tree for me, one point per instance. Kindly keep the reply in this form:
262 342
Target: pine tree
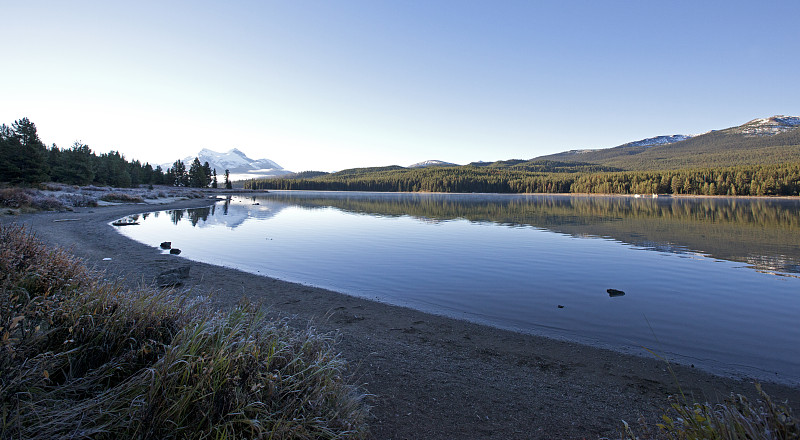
179 174
22 155
228 180
197 175
207 174
214 178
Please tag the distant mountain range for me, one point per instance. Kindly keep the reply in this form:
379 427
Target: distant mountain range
432 163
240 166
758 158
761 141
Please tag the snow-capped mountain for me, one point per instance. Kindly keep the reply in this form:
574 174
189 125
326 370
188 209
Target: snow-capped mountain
658 140
769 126
432 163
240 166
649 142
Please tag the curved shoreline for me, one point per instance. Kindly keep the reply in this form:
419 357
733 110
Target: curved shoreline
429 376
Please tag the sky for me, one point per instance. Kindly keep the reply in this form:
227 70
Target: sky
330 85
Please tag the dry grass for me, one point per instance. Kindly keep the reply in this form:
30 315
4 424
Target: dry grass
121 197
735 418
82 358
27 199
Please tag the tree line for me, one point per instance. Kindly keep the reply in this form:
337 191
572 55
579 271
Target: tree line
744 180
25 159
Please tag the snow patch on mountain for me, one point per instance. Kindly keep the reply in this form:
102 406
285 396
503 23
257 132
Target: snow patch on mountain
432 163
240 166
658 140
584 151
769 126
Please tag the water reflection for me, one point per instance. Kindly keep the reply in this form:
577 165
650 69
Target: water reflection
762 233
533 263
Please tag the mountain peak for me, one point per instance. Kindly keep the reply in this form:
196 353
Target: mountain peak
658 140
769 126
237 162
432 163
237 152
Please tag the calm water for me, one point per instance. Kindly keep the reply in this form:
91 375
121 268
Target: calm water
714 283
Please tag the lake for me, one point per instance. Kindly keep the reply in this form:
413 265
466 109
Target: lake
710 282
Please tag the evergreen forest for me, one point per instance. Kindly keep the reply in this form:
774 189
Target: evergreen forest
743 180
734 171
26 160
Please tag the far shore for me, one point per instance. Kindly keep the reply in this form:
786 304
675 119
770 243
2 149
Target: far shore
643 196
428 376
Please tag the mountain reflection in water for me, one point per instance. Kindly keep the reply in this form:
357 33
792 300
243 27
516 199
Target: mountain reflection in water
764 234
539 264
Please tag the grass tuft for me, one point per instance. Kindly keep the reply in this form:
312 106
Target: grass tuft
84 358
735 418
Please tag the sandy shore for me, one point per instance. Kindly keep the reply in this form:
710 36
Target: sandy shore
429 377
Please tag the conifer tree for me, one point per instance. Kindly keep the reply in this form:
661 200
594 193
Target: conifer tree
22 155
179 174
197 175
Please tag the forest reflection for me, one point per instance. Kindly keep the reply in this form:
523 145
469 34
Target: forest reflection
762 233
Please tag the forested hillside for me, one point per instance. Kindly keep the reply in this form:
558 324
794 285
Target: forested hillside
761 157
755 180
723 148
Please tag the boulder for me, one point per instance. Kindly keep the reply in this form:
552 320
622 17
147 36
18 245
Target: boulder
614 292
166 245
174 251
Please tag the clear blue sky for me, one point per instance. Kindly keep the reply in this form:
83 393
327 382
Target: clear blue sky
327 85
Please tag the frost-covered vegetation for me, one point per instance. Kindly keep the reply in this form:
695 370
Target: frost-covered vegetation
84 358
60 197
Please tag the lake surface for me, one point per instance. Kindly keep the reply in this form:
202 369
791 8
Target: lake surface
709 282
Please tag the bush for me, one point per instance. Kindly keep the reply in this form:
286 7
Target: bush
46 203
92 188
16 197
77 200
84 358
121 197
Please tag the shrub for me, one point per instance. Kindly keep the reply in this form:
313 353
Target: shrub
92 188
121 197
84 358
46 203
77 200
16 197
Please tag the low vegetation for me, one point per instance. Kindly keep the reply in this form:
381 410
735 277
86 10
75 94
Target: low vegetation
121 197
84 358
736 418
60 197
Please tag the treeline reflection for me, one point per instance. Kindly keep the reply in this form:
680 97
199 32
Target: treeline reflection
762 233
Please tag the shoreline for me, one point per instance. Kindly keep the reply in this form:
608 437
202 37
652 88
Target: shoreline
429 376
643 196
